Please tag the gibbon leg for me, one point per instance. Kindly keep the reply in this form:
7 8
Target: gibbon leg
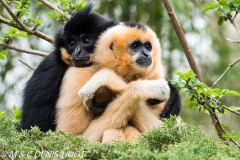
125 134
104 77
120 111
147 116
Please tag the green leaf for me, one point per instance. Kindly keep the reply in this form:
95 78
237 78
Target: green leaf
229 135
17 112
220 21
210 6
2 57
2 114
234 108
3 54
31 20
223 2
232 93
80 5
226 9
179 73
225 127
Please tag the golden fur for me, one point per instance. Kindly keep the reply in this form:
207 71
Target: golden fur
130 105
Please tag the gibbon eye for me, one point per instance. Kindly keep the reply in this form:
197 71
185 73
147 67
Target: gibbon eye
135 44
72 43
86 40
148 46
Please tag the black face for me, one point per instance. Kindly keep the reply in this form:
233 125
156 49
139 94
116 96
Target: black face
143 50
80 47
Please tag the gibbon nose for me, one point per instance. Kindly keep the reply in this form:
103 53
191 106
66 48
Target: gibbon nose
146 54
77 51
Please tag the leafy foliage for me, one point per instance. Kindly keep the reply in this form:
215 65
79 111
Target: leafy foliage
225 6
205 98
23 13
172 141
67 6
3 53
17 113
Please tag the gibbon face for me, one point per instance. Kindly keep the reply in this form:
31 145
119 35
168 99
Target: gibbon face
79 36
132 51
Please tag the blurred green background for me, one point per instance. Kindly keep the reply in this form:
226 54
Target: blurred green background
207 41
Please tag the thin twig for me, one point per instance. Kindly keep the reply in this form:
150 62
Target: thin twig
232 140
234 25
235 15
21 26
182 39
233 41
50 5
229 67
227 108
26 64
34 52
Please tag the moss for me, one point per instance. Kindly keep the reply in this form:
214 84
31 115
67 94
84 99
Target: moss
172 141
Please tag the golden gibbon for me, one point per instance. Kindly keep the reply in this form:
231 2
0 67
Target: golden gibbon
127 68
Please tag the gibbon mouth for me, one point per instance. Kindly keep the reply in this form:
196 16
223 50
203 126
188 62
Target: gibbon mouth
82 61
144 62
82 64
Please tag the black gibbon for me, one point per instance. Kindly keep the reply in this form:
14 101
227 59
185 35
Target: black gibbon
132 52
77 38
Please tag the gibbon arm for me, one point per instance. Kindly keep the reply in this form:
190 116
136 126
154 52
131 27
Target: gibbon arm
104 77
120 111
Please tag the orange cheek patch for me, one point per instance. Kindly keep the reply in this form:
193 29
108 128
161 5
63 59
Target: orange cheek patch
66 57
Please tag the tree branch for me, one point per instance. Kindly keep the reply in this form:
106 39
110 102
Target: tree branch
34 52
25 28
194 67
217 124
229 67
238 113
50 5
215 120
233 41
22 26
26 64
8 22
234 25
182 39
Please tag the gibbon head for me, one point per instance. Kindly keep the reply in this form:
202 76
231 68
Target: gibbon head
78 37
131 50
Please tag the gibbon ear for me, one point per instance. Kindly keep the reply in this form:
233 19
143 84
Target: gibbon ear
111 46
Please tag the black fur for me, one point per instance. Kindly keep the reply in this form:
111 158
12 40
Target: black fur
137 25
173 105
42 90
